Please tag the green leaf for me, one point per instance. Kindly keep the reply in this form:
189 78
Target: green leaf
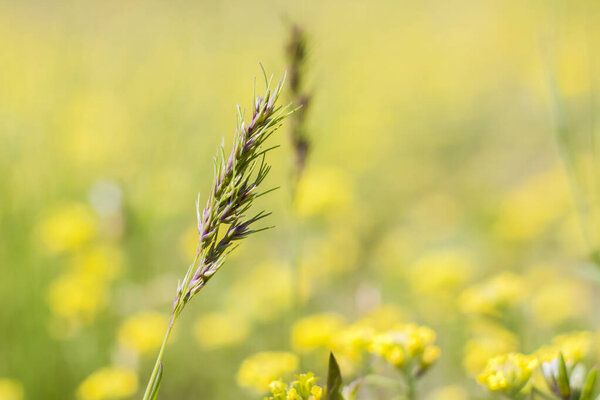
563 378
154 392
334 380
588 387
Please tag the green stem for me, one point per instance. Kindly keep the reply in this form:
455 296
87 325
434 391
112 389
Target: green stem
411 388
154 375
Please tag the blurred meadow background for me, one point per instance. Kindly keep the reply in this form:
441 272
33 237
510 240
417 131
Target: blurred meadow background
452 181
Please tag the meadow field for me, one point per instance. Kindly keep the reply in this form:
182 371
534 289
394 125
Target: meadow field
440 236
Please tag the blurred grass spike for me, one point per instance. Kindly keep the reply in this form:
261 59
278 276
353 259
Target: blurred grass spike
235 187
296 55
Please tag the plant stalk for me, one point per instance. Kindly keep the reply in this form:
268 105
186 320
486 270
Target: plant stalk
154 375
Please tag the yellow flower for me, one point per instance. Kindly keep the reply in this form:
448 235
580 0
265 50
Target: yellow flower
440 273
260 369
101 261
220 329
350 344
522 215
108 383
493 296
278 389
407 345
77 296
508 373
143 332
264 292
67 228
555 298
316 331
304 388
323 190
11 389
574 346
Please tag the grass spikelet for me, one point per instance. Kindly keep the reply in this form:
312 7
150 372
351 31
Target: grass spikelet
224 220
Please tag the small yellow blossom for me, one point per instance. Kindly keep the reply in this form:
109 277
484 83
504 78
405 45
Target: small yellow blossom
304 388
101 261
67 228
323 190
351 342
316 331
220 329
260 369
264 293
77 296
559 300
407 345
522 215
574 346
493 296
108 383
508 373
440 273
143 332
11 389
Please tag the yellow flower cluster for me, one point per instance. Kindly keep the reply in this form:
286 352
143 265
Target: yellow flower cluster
260 369
67 228
407 346
315 331
574 346
493 296
108 383
304 388
438 274
11 389
81 290
508 373
522 215
557 297
322 191
143 332
220 329
327 332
